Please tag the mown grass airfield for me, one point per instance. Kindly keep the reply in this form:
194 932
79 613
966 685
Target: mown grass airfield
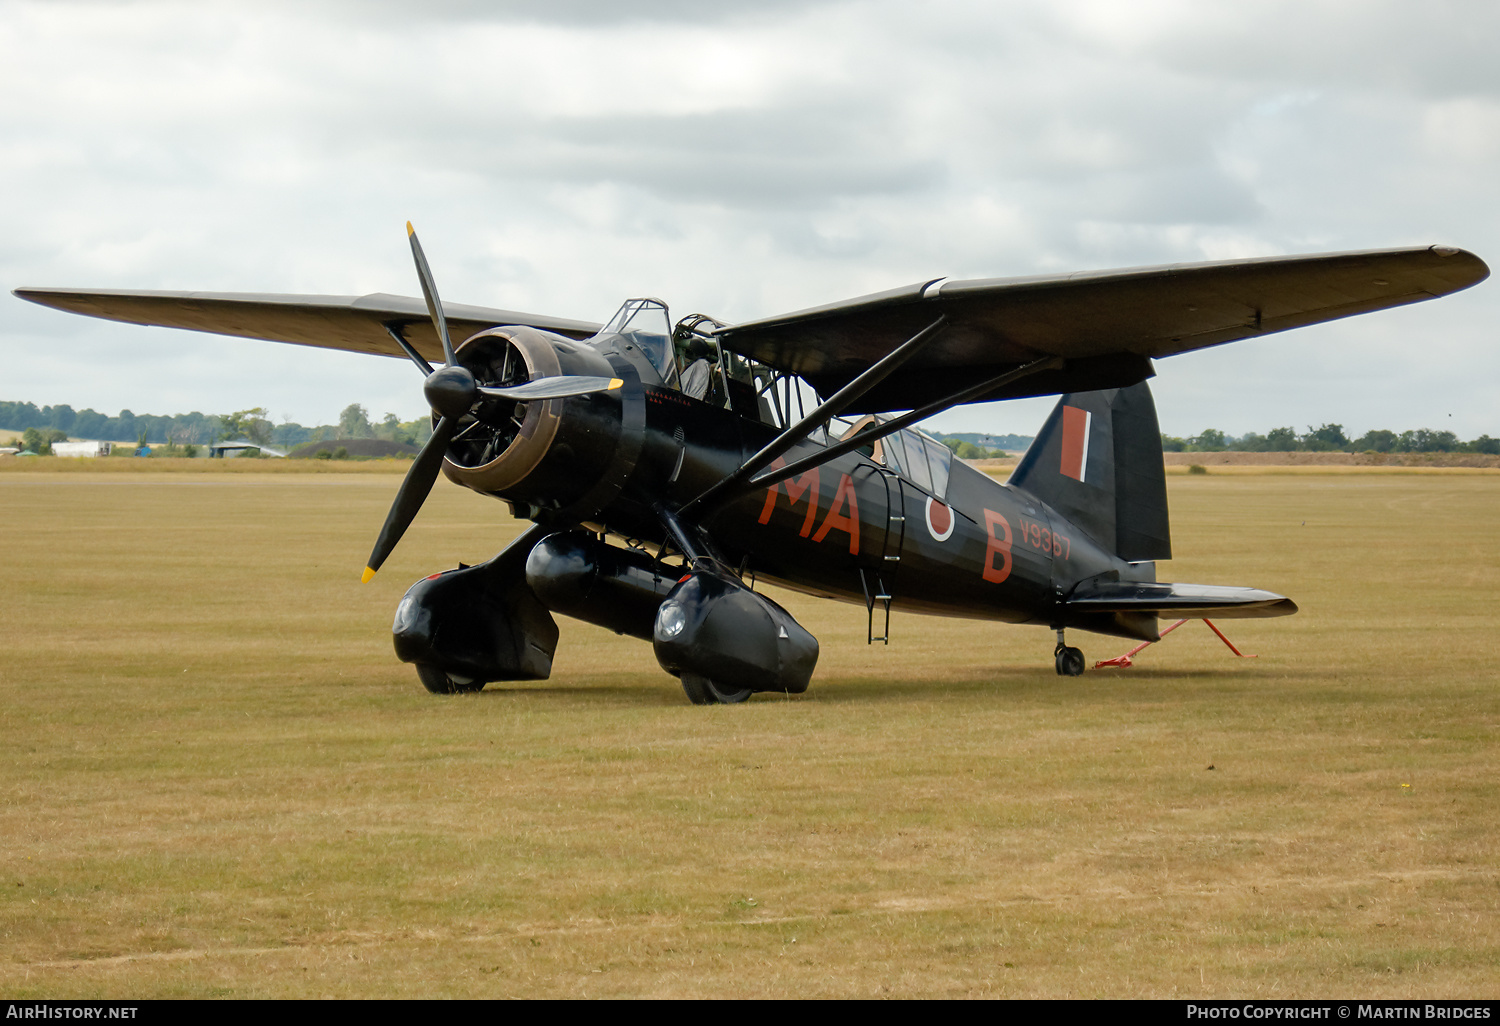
219 782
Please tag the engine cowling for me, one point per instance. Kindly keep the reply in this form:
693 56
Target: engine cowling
545 453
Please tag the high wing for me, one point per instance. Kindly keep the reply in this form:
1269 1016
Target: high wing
1107 325
354 323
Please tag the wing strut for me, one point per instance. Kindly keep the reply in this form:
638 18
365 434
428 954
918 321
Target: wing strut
393 329
691 541
729 488
877 430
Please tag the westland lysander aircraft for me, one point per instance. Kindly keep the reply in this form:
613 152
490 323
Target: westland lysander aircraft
667 468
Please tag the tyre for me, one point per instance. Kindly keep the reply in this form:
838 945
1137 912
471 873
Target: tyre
439 682
702 691
1069 662
732 696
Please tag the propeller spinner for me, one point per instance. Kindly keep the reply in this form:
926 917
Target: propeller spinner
453 394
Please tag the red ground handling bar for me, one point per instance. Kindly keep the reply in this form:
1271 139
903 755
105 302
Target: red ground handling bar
1126 660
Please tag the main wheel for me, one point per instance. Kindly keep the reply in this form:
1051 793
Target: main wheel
1069 662
702 691
440 682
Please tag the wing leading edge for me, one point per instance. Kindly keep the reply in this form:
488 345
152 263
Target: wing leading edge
1108 325
353 323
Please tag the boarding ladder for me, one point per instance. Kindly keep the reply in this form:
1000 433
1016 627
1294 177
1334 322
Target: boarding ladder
878 582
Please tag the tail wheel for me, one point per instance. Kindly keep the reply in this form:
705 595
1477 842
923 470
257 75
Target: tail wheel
1069 662
702 691
440 682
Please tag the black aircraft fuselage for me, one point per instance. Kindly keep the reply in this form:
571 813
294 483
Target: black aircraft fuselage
854 527
612 480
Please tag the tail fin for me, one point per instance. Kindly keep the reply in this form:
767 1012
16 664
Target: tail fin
1097 461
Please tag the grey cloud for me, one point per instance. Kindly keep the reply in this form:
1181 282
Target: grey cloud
790 159
1437 49
1187 195
861 146
585 13
571 13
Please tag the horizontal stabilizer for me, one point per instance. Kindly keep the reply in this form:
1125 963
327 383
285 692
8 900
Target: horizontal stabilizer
1190 601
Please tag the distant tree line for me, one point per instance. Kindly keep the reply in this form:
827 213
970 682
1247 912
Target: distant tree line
52 423
197 428
1330 438
976 446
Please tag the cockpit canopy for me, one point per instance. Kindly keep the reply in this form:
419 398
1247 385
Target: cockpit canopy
920 458
646 324
689 358
910 452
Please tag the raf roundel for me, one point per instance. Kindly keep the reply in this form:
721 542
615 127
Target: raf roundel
939 520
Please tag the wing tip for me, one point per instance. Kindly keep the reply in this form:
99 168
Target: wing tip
1481 270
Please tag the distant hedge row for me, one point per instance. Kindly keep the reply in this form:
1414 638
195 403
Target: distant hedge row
354 422
126 427
1331 438
200 428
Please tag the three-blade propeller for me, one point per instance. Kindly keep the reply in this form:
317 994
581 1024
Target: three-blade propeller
452 393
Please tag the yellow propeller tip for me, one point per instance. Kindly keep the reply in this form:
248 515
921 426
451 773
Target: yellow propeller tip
615 383
365 577
410 231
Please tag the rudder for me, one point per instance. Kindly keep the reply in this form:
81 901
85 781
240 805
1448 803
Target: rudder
1097 461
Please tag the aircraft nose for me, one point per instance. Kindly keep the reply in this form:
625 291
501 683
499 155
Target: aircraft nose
450 391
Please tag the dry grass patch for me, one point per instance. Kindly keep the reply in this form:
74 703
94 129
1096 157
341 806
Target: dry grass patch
219 782
49 466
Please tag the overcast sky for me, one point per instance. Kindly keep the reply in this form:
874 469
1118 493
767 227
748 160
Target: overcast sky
741 159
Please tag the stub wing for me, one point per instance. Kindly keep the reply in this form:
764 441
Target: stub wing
353 323
1187 601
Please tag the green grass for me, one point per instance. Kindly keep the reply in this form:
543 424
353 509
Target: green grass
219 782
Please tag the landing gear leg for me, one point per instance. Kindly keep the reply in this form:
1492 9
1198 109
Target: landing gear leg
1069 660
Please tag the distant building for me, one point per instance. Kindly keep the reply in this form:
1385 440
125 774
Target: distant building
82 449
222 450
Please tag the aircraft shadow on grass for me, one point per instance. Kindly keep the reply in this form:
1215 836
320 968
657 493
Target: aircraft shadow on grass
1011 681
